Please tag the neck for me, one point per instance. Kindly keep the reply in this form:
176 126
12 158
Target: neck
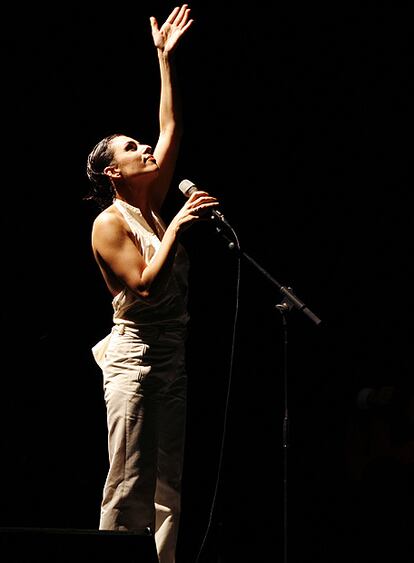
138 198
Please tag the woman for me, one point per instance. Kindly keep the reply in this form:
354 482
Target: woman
145 270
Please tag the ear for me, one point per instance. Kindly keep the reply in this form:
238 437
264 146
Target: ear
112 172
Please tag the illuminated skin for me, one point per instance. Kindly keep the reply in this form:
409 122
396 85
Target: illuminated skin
142 177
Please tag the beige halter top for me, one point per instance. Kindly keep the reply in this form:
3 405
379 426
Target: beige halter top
167 309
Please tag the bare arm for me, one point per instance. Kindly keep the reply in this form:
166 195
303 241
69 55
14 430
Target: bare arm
113 244
166 39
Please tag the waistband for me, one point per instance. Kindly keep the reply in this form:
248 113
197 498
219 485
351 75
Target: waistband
121 326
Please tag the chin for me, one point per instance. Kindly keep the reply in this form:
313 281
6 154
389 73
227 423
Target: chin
153 171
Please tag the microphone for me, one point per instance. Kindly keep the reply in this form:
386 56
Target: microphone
188 187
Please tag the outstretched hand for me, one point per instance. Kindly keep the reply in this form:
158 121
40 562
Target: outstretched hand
167 37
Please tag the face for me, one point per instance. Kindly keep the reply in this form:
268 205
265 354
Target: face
131 158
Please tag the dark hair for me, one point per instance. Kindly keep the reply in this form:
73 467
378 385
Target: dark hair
101 189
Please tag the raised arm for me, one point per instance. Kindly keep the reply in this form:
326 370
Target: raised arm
166 40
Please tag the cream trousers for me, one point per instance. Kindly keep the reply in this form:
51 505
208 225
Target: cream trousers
145 394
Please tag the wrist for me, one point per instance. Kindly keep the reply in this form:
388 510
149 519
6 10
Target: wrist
173 231
163 55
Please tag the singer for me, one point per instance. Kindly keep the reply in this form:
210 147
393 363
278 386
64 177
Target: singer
145 268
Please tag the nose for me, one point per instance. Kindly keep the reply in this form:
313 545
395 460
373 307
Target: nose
148 149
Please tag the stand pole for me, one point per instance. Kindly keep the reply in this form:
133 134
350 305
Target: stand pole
285 431
289 301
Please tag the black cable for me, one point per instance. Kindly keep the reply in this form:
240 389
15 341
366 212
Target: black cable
232 245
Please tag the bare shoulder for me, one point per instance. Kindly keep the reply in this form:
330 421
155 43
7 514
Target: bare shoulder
109 224
110 218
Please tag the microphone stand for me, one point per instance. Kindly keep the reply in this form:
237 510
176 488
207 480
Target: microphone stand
289 301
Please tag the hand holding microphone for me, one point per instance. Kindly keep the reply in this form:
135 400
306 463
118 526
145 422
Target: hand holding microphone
188 188
199 207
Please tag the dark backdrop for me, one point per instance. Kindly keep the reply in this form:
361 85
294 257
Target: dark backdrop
298 119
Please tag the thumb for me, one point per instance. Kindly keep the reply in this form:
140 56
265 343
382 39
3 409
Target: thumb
154 23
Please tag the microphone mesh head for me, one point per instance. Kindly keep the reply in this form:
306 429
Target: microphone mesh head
187 187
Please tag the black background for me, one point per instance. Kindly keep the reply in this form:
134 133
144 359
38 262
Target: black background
298 118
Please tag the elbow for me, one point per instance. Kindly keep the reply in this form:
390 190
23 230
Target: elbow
143 292
148 292
144 295
141 284
147 286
